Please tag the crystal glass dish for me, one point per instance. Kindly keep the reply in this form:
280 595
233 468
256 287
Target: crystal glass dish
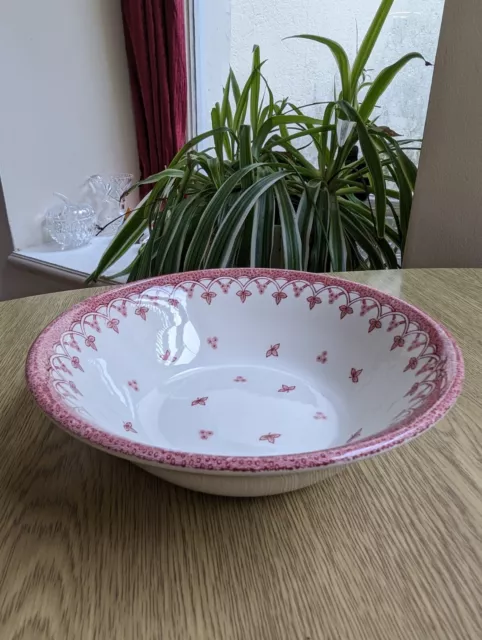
71 225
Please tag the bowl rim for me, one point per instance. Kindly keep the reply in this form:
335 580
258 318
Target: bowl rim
38 375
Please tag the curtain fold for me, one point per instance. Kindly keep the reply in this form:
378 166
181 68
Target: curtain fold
156 55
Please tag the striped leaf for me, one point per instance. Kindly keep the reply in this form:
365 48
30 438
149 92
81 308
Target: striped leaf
368 44
373 161
341 60
223 244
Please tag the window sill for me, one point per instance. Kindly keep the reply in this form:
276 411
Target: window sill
72 265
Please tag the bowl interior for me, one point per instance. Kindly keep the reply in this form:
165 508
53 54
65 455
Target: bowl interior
245 366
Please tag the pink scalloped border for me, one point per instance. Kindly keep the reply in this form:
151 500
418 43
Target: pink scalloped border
38 381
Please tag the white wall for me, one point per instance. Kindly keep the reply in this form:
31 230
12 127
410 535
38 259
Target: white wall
446 223
65 109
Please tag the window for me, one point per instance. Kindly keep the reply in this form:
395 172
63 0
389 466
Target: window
304 71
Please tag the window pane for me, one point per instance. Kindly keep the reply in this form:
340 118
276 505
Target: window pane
305 70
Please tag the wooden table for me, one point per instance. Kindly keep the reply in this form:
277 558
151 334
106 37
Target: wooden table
94 548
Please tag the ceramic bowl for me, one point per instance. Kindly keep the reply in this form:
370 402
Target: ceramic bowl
244 382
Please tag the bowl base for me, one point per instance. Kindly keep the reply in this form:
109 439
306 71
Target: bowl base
244 410
242 485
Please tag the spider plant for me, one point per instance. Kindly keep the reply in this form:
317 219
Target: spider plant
223 206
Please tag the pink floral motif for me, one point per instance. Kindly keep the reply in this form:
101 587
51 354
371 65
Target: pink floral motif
345 310
428 367
225 286
261 286
279 295
332 296
413 390
94 324
398 341
286 389
166 357
239 379
355 374
173 302
128 427
412 365
313 301
394 323
213 342
273 351
74 388
199 402
297 290
270 437
75 362
121 307
374 324
204 435
142 312
322 358
65 369
356 435
133 385
319 415
90 342
73 343
365 307
243 294
208 296
416 343
113 324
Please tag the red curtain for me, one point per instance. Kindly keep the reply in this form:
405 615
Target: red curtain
156 54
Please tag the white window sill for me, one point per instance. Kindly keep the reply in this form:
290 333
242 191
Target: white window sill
72 265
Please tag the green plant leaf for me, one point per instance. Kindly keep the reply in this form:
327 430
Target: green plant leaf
305 216
242 103
382 82
166 173
128 234
199 244
218 134
409 168
225 104
245 155
405 198
255 88
223 244
290 235
126 271
279 121
180 216
341 59
262 235
309 132
368 43
388 253
361 236
373 161
235 86
193 143
336 236
325 149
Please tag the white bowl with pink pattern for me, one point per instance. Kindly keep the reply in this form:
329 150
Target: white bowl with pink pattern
244 382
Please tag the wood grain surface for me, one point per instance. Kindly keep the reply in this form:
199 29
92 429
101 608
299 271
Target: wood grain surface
91 547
